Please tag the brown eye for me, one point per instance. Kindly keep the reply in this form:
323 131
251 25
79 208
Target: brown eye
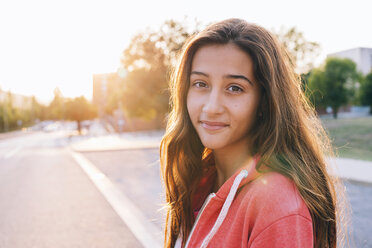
200 84
235 89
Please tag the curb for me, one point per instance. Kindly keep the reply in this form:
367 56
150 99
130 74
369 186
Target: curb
114 143
146 233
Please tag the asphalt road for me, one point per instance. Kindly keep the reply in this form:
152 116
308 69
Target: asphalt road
360 197
136 173
46 199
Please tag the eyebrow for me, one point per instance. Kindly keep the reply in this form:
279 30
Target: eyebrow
234 76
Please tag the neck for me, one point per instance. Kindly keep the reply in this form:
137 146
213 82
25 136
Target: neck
228 160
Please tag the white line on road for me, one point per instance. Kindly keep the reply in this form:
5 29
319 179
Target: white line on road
144 230
12 152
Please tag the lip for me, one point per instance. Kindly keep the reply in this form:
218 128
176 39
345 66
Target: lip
213 126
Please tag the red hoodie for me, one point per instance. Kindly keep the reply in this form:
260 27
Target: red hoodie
250 210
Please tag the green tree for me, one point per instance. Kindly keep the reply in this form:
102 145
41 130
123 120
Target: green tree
148 96
305 80
79 109
366 91
315 88
334 85
302 52
8 113
13 117
3 117
148 59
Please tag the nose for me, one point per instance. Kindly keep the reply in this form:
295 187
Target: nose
213 103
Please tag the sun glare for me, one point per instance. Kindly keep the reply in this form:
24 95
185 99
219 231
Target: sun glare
48 44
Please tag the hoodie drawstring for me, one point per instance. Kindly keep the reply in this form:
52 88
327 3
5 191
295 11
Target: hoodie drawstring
225 208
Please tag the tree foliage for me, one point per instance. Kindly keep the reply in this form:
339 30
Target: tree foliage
145 95
56 107
14 117
39 112
60 108
79 109
333 85
366 91
302 52
157 49
148 60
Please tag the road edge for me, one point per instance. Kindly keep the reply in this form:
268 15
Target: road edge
142 229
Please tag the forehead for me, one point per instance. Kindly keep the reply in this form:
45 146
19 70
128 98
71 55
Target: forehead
227 58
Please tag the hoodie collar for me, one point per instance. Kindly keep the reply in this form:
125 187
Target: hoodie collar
225 195
252 174
210 176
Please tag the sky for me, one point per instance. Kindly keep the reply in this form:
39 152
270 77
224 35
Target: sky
50 44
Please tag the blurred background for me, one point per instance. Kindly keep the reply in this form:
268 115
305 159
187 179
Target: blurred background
84 100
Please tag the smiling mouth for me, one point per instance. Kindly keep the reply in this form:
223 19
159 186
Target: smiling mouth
213 126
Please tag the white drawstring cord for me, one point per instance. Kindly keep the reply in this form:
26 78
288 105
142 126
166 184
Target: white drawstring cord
225 208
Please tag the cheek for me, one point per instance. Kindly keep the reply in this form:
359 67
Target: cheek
191 108
244 113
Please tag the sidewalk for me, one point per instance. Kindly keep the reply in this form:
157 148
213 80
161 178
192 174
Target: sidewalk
352 169
12 134
124 141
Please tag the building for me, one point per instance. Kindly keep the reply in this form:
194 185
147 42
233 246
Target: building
104 85
361 56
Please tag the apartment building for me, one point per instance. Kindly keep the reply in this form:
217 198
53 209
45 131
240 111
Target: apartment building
362 57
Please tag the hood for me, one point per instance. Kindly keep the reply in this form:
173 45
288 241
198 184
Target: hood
225 195
209 178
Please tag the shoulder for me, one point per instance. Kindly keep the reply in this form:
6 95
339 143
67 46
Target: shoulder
273 191
273 207
270 198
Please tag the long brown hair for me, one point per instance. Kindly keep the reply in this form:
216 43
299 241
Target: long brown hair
288 136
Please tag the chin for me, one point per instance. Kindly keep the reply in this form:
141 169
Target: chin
213 145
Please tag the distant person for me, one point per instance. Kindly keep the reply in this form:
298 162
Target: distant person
243 154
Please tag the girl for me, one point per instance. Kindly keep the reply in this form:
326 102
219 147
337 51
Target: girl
243 154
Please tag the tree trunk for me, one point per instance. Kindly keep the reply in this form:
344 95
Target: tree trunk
335 112
79 127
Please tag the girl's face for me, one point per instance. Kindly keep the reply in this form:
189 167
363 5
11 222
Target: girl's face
223 96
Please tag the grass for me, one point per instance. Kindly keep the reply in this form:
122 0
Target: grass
351 137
